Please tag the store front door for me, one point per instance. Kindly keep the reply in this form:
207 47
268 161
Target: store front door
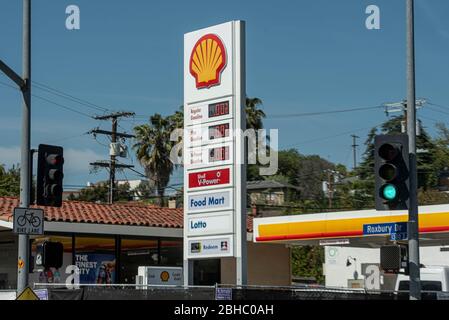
206 272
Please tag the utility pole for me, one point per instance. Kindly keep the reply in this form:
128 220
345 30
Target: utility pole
354 149
402 107
413 230
330 187
24 83
112 164
24 239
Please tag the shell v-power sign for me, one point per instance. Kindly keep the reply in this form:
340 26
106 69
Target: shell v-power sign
214 164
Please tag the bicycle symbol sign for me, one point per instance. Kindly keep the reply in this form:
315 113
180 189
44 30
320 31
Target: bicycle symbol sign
28 221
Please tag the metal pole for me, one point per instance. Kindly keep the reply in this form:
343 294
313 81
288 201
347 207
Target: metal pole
354 149
240 246
414 264
330 188
112 168
24 249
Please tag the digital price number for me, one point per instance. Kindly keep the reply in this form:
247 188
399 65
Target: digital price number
219 131
218 109
219 154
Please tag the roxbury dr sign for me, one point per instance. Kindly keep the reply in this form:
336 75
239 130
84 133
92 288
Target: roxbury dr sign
214 170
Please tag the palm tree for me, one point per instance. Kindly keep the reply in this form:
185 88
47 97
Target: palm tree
176 120
254 116
153 151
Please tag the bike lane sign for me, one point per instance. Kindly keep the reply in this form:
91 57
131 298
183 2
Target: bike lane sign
28 221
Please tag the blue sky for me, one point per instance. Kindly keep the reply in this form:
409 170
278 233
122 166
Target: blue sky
302 56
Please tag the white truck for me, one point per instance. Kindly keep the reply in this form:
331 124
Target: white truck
433 279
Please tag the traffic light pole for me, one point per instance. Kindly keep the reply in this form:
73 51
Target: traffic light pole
413 232
24 243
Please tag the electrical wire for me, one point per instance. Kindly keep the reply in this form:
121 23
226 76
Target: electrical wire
67 96
50 101
439 111
144 176
61 105
307 114
68 138
330 137
8 85
438 105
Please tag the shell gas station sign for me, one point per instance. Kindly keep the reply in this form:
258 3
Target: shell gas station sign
214 170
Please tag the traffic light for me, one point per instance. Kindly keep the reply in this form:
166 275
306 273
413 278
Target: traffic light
50 175
391 164
393 258
49 254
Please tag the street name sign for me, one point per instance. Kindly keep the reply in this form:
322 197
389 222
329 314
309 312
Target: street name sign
28 221
397 231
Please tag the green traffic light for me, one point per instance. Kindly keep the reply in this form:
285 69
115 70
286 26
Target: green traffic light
389 192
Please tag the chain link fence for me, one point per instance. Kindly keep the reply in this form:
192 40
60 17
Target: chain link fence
236 293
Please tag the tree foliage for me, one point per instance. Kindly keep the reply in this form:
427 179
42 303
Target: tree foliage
153 143
9 181
100 193
432 158
308 262
153 149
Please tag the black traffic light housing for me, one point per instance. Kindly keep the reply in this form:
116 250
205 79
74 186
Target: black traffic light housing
49 254
393 258
391 165
50 175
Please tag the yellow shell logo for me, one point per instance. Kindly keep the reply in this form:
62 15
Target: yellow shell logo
208 60
165 276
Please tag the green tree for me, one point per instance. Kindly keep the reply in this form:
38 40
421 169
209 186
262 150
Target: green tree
427 171
308 262
9 181
145 189
153 148
441 152
254 115
99 193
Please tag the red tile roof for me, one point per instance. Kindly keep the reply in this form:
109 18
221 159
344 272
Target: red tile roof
116 214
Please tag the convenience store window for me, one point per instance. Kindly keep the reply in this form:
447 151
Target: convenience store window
171 253
135 253
95 258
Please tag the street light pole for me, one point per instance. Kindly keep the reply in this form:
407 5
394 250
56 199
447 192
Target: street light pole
413 242
24 243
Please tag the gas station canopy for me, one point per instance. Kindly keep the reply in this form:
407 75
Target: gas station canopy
347 228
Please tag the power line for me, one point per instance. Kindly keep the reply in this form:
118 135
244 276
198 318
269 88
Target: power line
144 176
49 101
439 111
296 115
330 137
306 114
438 105
62 106
69 97
8 85
68 138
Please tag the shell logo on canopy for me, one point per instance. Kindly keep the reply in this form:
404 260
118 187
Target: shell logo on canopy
208 60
